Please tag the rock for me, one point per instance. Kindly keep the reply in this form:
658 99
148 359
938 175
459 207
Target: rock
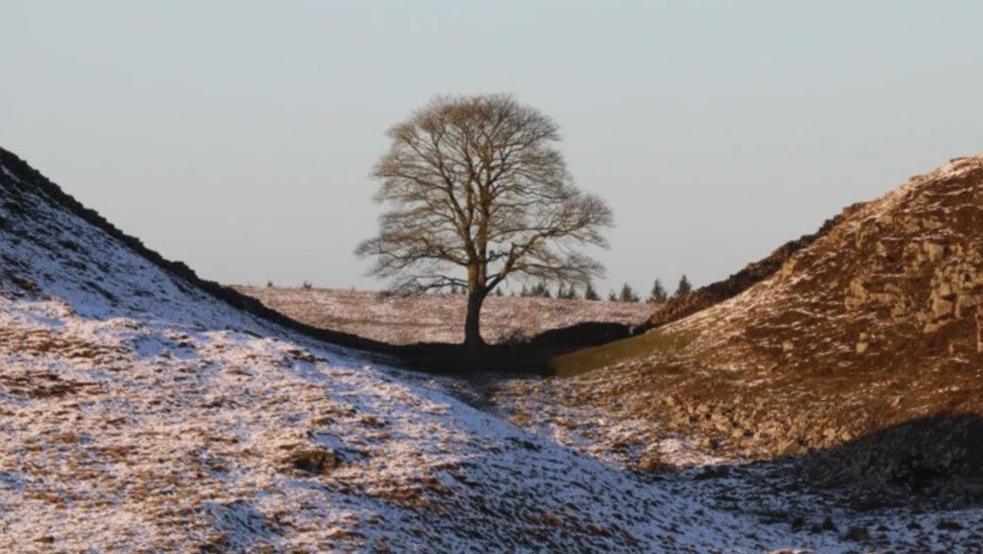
314 459
942 308
712 472
966 301
596 529
650 462
979 330
948 525
857 534
372 421
933 251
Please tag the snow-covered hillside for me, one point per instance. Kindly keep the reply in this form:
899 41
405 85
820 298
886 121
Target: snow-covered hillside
141 414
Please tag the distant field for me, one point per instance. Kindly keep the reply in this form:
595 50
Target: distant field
437 317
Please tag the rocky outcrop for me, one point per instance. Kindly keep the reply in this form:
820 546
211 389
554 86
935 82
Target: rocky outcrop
900 281
874 324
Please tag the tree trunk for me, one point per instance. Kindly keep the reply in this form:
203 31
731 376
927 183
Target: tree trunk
472 324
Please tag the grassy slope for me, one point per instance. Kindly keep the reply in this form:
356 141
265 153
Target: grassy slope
655 342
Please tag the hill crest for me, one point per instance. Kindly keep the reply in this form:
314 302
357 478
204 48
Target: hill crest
874 325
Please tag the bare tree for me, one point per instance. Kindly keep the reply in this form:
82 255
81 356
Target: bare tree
477 192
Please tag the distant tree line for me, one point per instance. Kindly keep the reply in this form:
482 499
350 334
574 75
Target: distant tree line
562 291
657 295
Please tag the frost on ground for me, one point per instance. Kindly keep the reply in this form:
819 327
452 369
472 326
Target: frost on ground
139 414
769 492
438 317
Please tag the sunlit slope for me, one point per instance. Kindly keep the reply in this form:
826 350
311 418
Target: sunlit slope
877 323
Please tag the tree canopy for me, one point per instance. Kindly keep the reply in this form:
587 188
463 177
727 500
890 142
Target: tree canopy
478 192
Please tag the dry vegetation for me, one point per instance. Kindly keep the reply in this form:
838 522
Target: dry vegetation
437 317
142 414
873 330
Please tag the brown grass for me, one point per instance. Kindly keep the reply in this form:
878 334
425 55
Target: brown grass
437 317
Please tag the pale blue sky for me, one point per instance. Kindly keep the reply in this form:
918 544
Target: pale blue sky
238 136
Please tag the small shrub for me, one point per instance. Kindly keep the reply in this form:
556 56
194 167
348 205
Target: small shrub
515 337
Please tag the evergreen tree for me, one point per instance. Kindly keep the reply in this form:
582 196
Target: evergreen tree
684 287
628 294
658 293
567 292
612 297
540 290
590 293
